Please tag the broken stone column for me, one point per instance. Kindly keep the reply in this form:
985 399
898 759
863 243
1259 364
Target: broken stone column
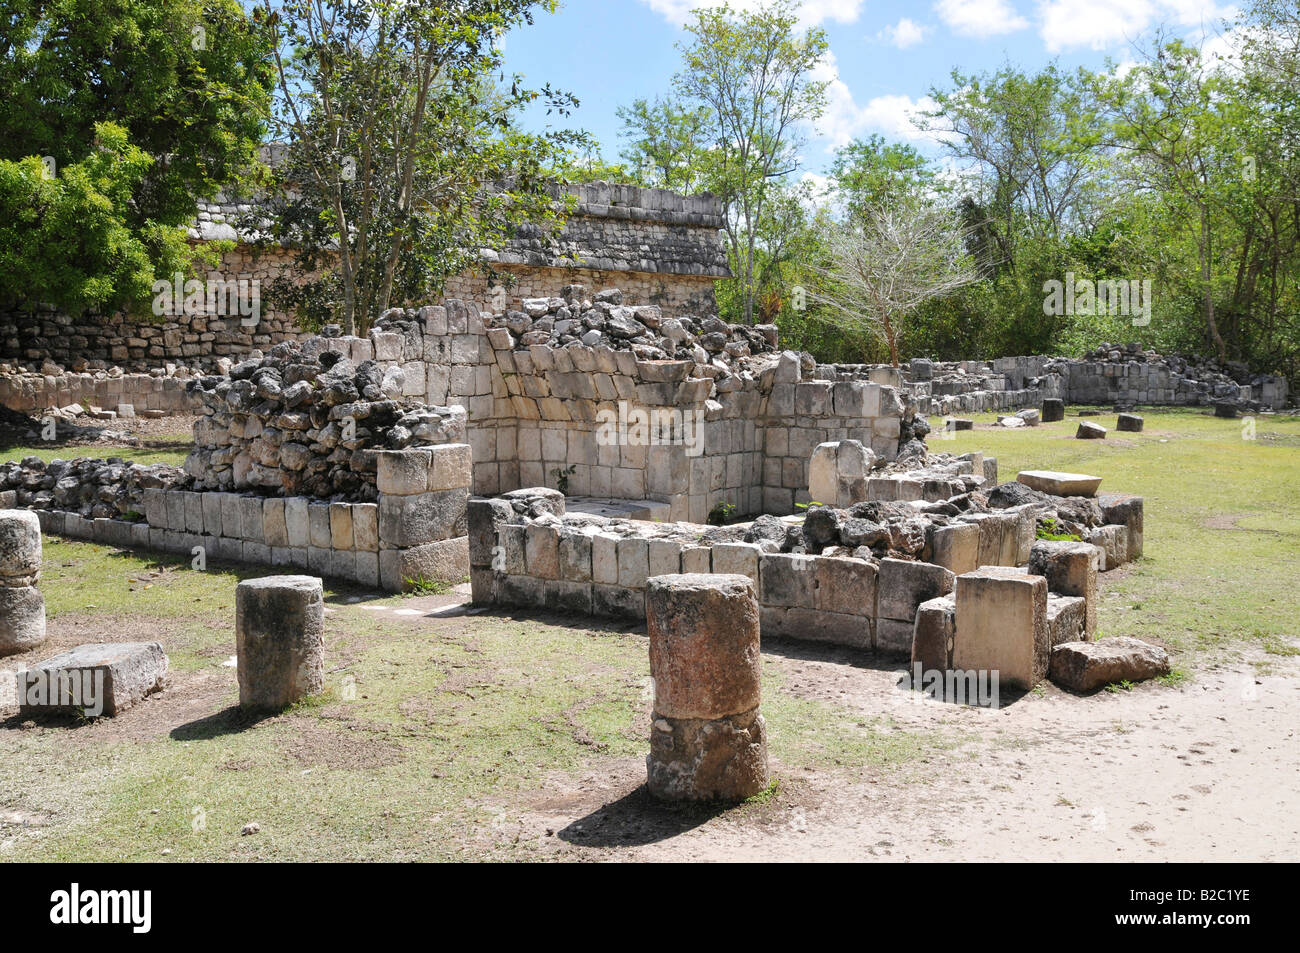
1053 410
708 740
1129 423
22 608
279 640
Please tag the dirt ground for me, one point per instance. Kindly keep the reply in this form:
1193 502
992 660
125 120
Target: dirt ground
1209 771
1203 770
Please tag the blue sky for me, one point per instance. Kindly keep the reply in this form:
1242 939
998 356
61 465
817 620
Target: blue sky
886 54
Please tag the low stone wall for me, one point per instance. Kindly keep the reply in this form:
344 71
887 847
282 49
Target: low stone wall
1108 375
33 393
413 534
853 577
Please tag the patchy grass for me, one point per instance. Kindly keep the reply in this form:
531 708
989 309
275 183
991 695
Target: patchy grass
422 725
1222 520
171 450
429 722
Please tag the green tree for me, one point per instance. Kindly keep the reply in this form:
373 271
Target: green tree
404 156
752 71
187 80
62 237
667 144
868 173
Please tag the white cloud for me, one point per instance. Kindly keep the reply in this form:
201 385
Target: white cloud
980 17
1108 24
811 12
904 33
844 119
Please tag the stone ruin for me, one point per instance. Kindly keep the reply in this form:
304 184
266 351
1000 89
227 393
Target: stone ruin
939 565
307 421
302 458
22 607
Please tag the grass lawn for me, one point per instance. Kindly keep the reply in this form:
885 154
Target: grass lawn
1222 537
170 449
433 717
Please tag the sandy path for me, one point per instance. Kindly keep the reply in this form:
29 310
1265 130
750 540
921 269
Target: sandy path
1206 771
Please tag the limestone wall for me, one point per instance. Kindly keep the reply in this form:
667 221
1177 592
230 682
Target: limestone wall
741 430
414 533
664 248
33 393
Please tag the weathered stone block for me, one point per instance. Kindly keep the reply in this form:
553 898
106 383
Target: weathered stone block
1113 542
1071 570
665 556
1087 666
297 523
252 518
106 678
1059 484
787 580
341 536
414 520
633 562
1125 510
737 558
275 531
318 525
845 586
905 585
1002 625
1066 618
403 472
934 633
574 552
541 544
955 547
449 467
444 562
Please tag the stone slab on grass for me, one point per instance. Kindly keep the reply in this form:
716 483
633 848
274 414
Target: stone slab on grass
110 677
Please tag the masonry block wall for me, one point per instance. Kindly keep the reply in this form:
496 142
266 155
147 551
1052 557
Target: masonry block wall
414 535
663 247
526 552
560 416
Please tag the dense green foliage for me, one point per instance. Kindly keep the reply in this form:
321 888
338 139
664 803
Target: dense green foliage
92 212
1182 171
404 156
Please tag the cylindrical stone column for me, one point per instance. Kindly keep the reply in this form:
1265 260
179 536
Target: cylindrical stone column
707 740
279 640
22 608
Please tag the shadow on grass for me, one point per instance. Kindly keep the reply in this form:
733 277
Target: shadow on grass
228 721
637 819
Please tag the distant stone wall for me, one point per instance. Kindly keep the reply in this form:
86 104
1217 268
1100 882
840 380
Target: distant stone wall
1125 376
663 248
144 342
